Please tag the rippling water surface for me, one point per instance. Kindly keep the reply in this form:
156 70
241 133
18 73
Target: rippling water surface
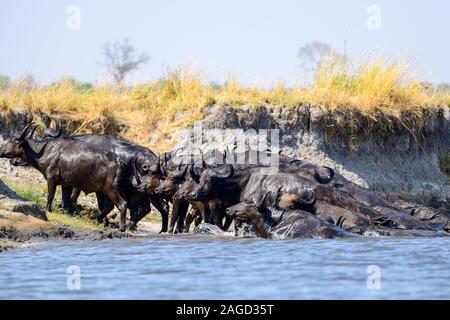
203 267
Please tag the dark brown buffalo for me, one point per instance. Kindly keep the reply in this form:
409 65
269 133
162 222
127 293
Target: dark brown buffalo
71 163
290 224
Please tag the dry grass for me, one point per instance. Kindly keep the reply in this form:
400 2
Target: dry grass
378 89
372 85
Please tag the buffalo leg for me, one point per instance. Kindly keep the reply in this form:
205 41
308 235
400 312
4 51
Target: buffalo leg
190 217
67 202
163 208
74 196
66 192
105 206
181 216
121 205
103 202
216 214
174 214
102 217
51 194
198 220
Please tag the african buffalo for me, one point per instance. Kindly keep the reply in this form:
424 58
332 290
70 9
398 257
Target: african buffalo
290 224
72 163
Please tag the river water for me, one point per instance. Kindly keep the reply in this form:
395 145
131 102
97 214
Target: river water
205 267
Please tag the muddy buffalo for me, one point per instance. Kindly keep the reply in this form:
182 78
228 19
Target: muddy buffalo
72 163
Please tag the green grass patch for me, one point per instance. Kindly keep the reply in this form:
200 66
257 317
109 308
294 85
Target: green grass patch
38 194
78 222
34 193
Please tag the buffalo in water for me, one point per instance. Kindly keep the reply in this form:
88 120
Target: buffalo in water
290 224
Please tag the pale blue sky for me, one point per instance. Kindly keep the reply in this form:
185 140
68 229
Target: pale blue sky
257 40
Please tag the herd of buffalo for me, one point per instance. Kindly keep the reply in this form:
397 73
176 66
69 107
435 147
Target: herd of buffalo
300 200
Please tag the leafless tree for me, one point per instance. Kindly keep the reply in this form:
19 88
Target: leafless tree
313 54
121 58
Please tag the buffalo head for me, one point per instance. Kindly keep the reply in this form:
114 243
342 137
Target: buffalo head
208 179
173 181
13 147
248 211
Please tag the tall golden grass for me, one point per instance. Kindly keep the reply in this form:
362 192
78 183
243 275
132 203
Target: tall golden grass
373 87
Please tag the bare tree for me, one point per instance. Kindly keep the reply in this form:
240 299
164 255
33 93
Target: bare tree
313 54
121 58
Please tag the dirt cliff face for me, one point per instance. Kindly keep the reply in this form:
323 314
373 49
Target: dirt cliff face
394 155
